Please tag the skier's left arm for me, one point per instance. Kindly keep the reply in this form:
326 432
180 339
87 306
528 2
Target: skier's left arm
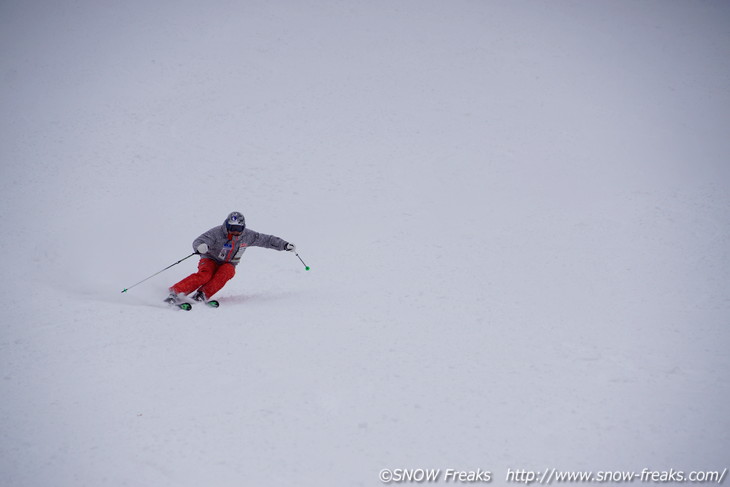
256 239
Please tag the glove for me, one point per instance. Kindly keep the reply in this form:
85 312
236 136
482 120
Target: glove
202 248
290 247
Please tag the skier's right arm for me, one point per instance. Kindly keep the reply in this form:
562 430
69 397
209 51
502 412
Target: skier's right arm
203 243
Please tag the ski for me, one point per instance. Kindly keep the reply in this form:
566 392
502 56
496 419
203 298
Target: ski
211 304
189 306
177 302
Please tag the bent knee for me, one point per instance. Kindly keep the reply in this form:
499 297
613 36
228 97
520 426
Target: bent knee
227 270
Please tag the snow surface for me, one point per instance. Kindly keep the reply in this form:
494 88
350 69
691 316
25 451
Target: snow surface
516 214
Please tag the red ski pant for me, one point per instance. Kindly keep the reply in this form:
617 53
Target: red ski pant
209 279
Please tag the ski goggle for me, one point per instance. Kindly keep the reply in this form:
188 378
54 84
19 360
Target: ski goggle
235 228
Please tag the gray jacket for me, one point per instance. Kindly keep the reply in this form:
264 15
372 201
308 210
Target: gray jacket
222 249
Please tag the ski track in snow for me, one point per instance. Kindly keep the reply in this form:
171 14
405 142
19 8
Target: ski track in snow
516 215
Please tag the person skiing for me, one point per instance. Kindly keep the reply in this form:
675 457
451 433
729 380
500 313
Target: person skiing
220 250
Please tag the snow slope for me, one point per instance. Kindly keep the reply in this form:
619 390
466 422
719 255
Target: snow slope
516 214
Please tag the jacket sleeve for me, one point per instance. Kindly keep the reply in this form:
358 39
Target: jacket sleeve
208 238
256 239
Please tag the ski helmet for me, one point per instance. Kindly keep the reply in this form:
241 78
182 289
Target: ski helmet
235 222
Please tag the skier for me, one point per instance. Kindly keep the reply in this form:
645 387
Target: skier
221 249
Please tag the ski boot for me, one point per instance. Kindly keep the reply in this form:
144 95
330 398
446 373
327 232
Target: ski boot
174 300
200 297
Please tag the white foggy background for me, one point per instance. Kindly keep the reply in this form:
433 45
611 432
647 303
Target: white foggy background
516 214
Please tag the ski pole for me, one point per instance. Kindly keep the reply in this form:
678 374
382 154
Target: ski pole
153 275
306 267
